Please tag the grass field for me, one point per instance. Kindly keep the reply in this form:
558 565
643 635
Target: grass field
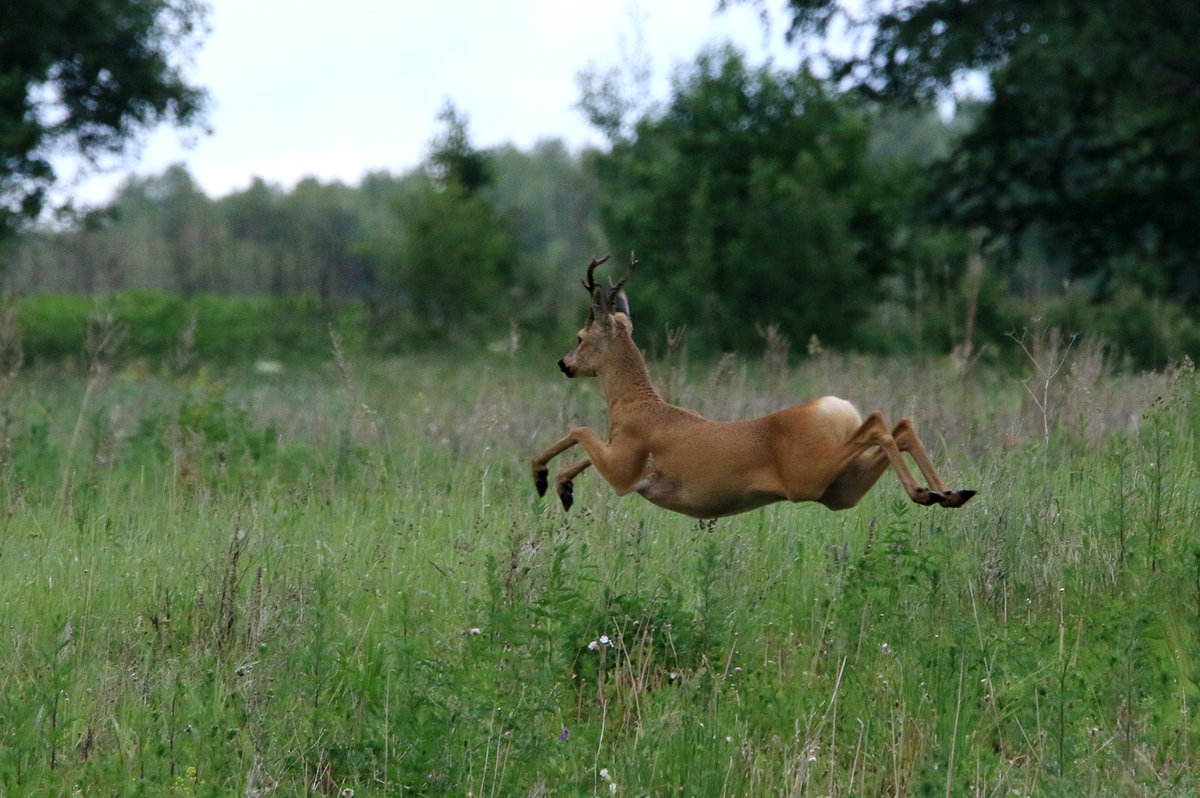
339 581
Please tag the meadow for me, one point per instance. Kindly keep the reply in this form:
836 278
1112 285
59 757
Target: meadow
336 579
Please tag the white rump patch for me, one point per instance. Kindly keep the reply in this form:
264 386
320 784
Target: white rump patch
836 406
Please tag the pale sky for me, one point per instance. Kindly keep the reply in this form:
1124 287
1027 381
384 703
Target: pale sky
336 90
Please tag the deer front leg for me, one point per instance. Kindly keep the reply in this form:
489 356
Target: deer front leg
620 466
541 471
566 482
620 462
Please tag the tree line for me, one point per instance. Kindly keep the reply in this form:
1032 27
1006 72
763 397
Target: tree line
831 205
427 257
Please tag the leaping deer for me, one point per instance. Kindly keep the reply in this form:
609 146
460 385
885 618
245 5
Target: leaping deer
821 451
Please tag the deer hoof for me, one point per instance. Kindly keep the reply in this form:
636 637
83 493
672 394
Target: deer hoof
539 479
566 493
957 498
928 497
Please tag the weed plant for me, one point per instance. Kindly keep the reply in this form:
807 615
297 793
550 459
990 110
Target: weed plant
339 581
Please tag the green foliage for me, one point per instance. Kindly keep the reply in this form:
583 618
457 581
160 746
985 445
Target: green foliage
758 201
1144 329
231 329
549 202
54 326
1085 136
86 77
765 206
452 275
176 332
1081 151
430 261
754 194
454 160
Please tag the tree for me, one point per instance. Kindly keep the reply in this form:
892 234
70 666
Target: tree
748 199
192 230
448 272
454 160
86 77
455 267
262 244
325 232
1086 143
548 201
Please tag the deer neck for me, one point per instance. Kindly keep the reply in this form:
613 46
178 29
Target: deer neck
624 377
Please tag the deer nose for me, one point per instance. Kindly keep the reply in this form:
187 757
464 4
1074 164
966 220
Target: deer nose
562 365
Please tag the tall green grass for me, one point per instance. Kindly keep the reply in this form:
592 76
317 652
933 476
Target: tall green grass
338 581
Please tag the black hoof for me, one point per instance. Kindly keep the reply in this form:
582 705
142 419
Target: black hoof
958 498
566 493
929 497
539 481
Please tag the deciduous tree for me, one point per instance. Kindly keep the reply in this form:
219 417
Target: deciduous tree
1086 141
87 77
448 272
748 198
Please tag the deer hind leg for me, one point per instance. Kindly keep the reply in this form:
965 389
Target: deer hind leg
855 480
872 448
905 435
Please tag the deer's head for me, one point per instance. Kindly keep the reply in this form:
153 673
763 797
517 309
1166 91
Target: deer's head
609 317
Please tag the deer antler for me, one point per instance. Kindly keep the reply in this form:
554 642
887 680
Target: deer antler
633 262
590 282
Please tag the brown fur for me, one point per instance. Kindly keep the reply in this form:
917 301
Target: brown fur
820 451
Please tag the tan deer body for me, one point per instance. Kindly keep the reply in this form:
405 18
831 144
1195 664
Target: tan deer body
820 451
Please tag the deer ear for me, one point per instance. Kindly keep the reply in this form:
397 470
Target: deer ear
620 304
601 303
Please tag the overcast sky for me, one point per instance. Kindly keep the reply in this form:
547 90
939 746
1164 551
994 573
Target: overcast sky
335 90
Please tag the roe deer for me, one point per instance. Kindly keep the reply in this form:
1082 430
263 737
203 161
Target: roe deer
821 451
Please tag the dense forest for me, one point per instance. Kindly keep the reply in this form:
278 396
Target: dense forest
847 206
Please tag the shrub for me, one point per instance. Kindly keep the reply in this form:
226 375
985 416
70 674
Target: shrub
53 326
154 326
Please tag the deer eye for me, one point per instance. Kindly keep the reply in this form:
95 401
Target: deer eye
578 339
